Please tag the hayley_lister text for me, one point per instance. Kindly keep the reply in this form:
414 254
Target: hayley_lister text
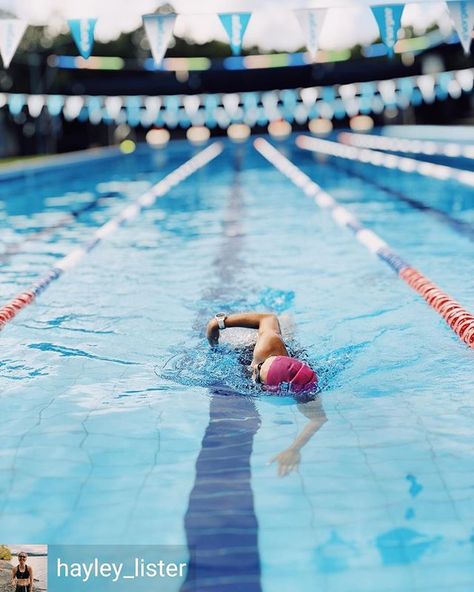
116 570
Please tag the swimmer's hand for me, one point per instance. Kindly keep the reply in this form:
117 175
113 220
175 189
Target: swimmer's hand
213 332
288 461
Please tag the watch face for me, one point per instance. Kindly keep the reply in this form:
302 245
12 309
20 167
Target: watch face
220 315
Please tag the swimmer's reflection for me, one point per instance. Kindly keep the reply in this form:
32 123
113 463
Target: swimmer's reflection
289 459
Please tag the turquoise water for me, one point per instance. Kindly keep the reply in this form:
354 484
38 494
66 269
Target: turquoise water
120 426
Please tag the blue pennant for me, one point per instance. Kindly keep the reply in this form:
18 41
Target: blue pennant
82 31
388 20
235 25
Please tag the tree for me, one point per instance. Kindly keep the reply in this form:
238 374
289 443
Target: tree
5 553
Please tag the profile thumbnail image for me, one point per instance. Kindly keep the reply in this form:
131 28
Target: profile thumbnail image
23 568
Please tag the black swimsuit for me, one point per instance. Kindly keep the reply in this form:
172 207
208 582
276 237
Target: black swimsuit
22 575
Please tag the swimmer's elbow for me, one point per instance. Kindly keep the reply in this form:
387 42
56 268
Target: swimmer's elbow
269 322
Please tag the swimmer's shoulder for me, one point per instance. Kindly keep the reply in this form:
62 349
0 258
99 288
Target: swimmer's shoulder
269 344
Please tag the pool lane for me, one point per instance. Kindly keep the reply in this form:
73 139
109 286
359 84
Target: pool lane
458 318
9 310
221 524
439 250
462 227
380 498
80 378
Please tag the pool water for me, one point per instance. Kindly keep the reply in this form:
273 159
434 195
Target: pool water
119 425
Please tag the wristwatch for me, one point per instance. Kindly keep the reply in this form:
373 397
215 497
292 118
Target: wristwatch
220 318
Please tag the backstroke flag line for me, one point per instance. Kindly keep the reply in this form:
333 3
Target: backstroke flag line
389 20
311 22
158 29
235 25
11 33
462 15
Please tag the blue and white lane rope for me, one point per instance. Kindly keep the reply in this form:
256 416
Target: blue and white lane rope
147 199
457 317
389 161
393 144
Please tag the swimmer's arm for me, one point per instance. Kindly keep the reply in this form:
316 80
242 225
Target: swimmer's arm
307 433
314 411
263 321
289 459
30 586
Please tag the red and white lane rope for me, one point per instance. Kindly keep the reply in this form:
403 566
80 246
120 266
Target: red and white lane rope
389 161
457 317
393 144
147 199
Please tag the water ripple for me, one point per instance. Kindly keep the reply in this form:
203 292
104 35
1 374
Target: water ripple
71 352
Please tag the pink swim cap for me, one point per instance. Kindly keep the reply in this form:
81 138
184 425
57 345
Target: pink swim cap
298 374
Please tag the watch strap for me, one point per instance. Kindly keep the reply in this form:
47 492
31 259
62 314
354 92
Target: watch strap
221 321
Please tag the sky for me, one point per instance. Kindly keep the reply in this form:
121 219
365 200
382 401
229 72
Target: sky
275 29
15 549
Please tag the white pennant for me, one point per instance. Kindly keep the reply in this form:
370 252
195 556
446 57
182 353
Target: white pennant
11 32
465 79
35 105
113 106
72 107
191 105
311 22
231 103
158 29
152 107
309 96
462 15
426 84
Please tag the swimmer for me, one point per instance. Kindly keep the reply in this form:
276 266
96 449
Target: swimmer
271 364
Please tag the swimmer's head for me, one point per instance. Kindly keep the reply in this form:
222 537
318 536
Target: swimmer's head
277 370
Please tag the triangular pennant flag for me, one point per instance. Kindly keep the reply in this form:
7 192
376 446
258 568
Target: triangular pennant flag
11 32
152 107
55 104
309 96
73 106
235 25
113 106
462 15
82 31
311 22
388 20
35 104
158 29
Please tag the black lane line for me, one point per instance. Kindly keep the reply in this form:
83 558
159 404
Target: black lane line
220 522
68 218
464 228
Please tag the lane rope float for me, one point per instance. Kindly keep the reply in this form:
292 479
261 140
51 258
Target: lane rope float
389 161
15 248
393 144
458 318
147 199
